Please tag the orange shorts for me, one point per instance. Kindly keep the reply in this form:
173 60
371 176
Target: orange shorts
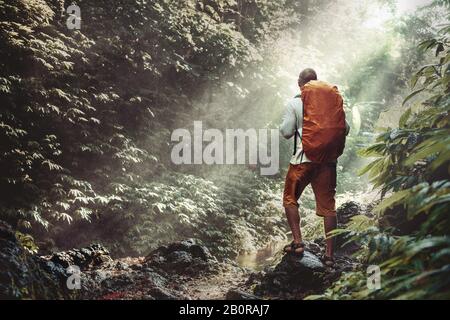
322 177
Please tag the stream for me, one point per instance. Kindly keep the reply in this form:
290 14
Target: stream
259 259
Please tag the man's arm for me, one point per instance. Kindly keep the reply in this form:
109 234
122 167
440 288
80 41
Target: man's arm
287 127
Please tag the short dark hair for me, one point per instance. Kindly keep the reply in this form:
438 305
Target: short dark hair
306 75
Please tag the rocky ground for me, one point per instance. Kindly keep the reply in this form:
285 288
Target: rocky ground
181 270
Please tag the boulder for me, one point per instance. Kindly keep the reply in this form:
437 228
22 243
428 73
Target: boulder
347 210
344 214
87 258
161 275
185 257
294 275
25 276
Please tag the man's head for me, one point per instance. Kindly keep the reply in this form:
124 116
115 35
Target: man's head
306 76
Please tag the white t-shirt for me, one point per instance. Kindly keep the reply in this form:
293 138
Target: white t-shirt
294 113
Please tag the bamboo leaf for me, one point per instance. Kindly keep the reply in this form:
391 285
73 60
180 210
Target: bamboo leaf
413 94
392 200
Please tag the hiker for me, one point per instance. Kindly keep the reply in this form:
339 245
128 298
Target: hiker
316 119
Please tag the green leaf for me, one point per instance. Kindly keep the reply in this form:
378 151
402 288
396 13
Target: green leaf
392 200
427 148
440 47
413 94
427 44
404 118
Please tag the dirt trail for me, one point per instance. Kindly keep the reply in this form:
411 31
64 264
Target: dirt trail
215 287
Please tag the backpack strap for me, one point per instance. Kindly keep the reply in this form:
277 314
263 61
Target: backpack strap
296 130
295 139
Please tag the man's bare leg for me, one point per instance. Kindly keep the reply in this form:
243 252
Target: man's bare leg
330 224
293 218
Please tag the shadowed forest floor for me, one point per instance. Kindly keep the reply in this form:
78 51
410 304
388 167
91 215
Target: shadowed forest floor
180 270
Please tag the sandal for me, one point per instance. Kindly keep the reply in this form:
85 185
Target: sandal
293 248
328 261
287 248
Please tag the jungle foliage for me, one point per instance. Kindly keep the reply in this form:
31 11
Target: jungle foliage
87 115
410 242
84 111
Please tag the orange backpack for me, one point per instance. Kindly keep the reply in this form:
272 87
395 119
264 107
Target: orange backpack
323 130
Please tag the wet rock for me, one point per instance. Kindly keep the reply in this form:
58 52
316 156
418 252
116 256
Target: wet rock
24 276
315 248
86 258
307 263
294 275
118 282
193 246
344 214
186 257
99 276
120 265
161 293
180 258
343 264
238 294
113 282
255 278
161 275
157 279
348 210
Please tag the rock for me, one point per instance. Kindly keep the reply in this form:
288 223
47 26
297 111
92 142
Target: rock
166 273
255 278
160 276
157 279
100 275
85 258
294 275
306 271
118 282
347 210
192 246
344 213
180 258
24 276
238 294
185 257
161 293
120 265
314 248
